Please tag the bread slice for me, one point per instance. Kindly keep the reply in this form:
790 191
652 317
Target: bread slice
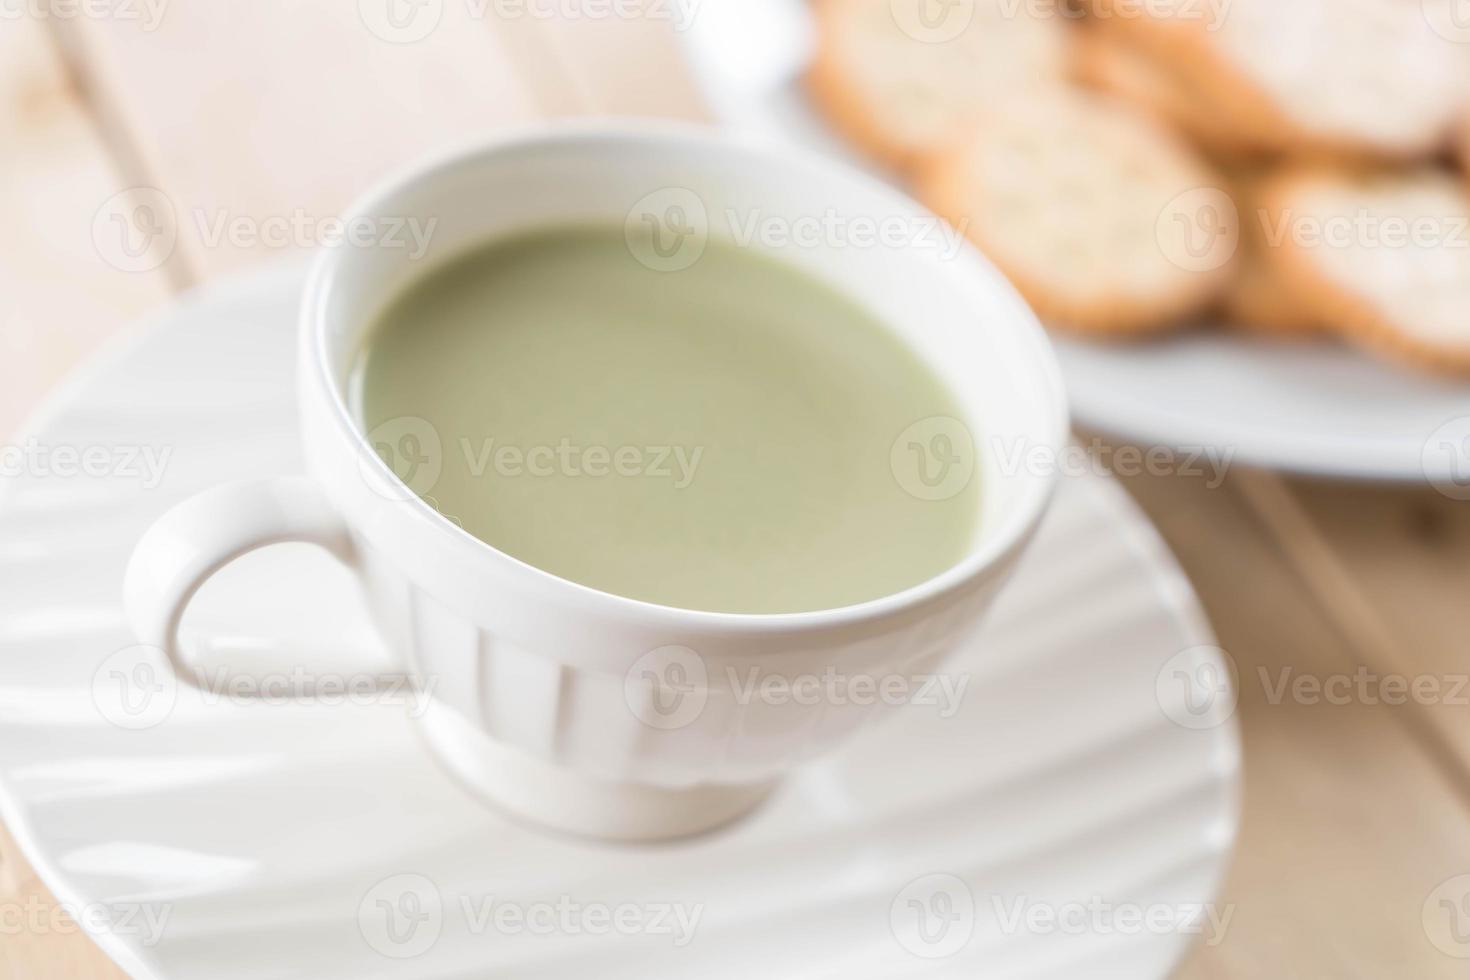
1383 258
1105 220
1107 60
901 77
1322 77
1260 300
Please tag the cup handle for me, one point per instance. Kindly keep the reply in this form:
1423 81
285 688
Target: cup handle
203 534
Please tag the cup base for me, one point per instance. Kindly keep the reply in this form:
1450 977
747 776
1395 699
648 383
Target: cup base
568 801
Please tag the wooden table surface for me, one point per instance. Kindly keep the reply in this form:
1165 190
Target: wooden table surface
1356 808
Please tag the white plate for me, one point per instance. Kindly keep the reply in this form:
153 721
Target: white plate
269 833
1305 407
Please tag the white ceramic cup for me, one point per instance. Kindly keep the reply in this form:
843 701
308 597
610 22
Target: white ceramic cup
579 709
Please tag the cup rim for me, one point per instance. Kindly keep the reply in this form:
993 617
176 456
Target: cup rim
993 548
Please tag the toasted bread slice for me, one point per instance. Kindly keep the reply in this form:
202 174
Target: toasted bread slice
901 77
1383 258
1104 219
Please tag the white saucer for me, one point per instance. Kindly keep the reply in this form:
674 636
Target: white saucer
1306 407
308 840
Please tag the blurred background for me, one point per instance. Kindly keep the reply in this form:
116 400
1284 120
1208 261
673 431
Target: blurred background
149 147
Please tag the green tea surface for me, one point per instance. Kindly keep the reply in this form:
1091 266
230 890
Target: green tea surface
720 437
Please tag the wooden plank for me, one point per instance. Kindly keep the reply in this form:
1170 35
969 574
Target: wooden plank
1348 826
1390 561
275 112
40 939
61 288
61 293
593 56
